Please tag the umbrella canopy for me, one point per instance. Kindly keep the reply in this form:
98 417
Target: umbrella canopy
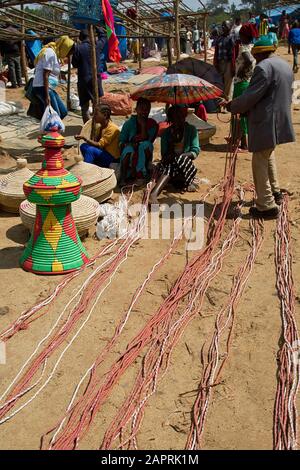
177 89
198 68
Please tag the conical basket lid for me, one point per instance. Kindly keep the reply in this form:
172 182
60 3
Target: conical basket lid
12 184
198 123
89 174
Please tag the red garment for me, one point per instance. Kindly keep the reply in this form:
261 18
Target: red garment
201 112
113 42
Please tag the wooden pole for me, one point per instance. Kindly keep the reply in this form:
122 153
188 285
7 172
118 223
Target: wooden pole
177 29
23 50
205 37
138 30
95 77
69 85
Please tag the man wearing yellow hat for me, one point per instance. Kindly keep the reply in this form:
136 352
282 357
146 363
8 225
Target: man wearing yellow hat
267 103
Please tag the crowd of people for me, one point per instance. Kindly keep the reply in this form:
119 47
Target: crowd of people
257 87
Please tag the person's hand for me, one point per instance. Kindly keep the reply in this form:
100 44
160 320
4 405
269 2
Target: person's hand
47 99
190 155
228 106
223 103
80 137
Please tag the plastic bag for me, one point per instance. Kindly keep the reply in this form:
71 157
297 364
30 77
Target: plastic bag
51 121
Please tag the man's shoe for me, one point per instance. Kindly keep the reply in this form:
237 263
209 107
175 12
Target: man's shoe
278 198
266 215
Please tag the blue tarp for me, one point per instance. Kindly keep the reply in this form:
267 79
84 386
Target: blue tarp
275 13
33 47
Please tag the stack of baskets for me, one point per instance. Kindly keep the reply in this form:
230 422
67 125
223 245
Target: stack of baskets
206 130
85 213
98 183
11 187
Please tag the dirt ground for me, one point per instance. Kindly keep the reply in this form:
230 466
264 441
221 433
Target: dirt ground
241 411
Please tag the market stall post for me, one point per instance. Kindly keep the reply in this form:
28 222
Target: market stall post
139 30
69 107
23 51
205 36
94 74
177 29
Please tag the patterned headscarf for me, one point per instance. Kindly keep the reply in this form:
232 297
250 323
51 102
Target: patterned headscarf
61 48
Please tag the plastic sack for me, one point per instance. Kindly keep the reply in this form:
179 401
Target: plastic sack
51 121
114 223
120 103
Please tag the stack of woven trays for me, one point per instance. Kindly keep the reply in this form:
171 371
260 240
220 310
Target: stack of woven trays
11 187
85 212
98 183
206 130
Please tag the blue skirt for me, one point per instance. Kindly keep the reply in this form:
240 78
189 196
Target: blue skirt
38 103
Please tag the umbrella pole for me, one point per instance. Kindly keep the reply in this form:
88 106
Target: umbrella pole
169 49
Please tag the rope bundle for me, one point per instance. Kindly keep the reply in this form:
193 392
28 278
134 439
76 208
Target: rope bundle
285 412
224 323
82 413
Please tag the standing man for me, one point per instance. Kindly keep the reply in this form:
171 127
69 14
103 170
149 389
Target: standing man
267 102
294 42
10 51
224 60
196 40
82 61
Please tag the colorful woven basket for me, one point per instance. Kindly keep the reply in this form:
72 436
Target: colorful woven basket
54 246
85 213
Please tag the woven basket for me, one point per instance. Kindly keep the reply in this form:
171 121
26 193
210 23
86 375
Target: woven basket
11 187
96 182
85 213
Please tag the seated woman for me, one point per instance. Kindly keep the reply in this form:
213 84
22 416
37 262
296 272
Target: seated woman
106 150
136 142
47 70
179 147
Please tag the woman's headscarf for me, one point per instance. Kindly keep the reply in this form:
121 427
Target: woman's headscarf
61 48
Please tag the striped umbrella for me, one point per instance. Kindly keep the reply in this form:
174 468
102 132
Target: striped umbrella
177 89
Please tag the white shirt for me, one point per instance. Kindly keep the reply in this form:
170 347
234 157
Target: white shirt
235 32
48 62
196 35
